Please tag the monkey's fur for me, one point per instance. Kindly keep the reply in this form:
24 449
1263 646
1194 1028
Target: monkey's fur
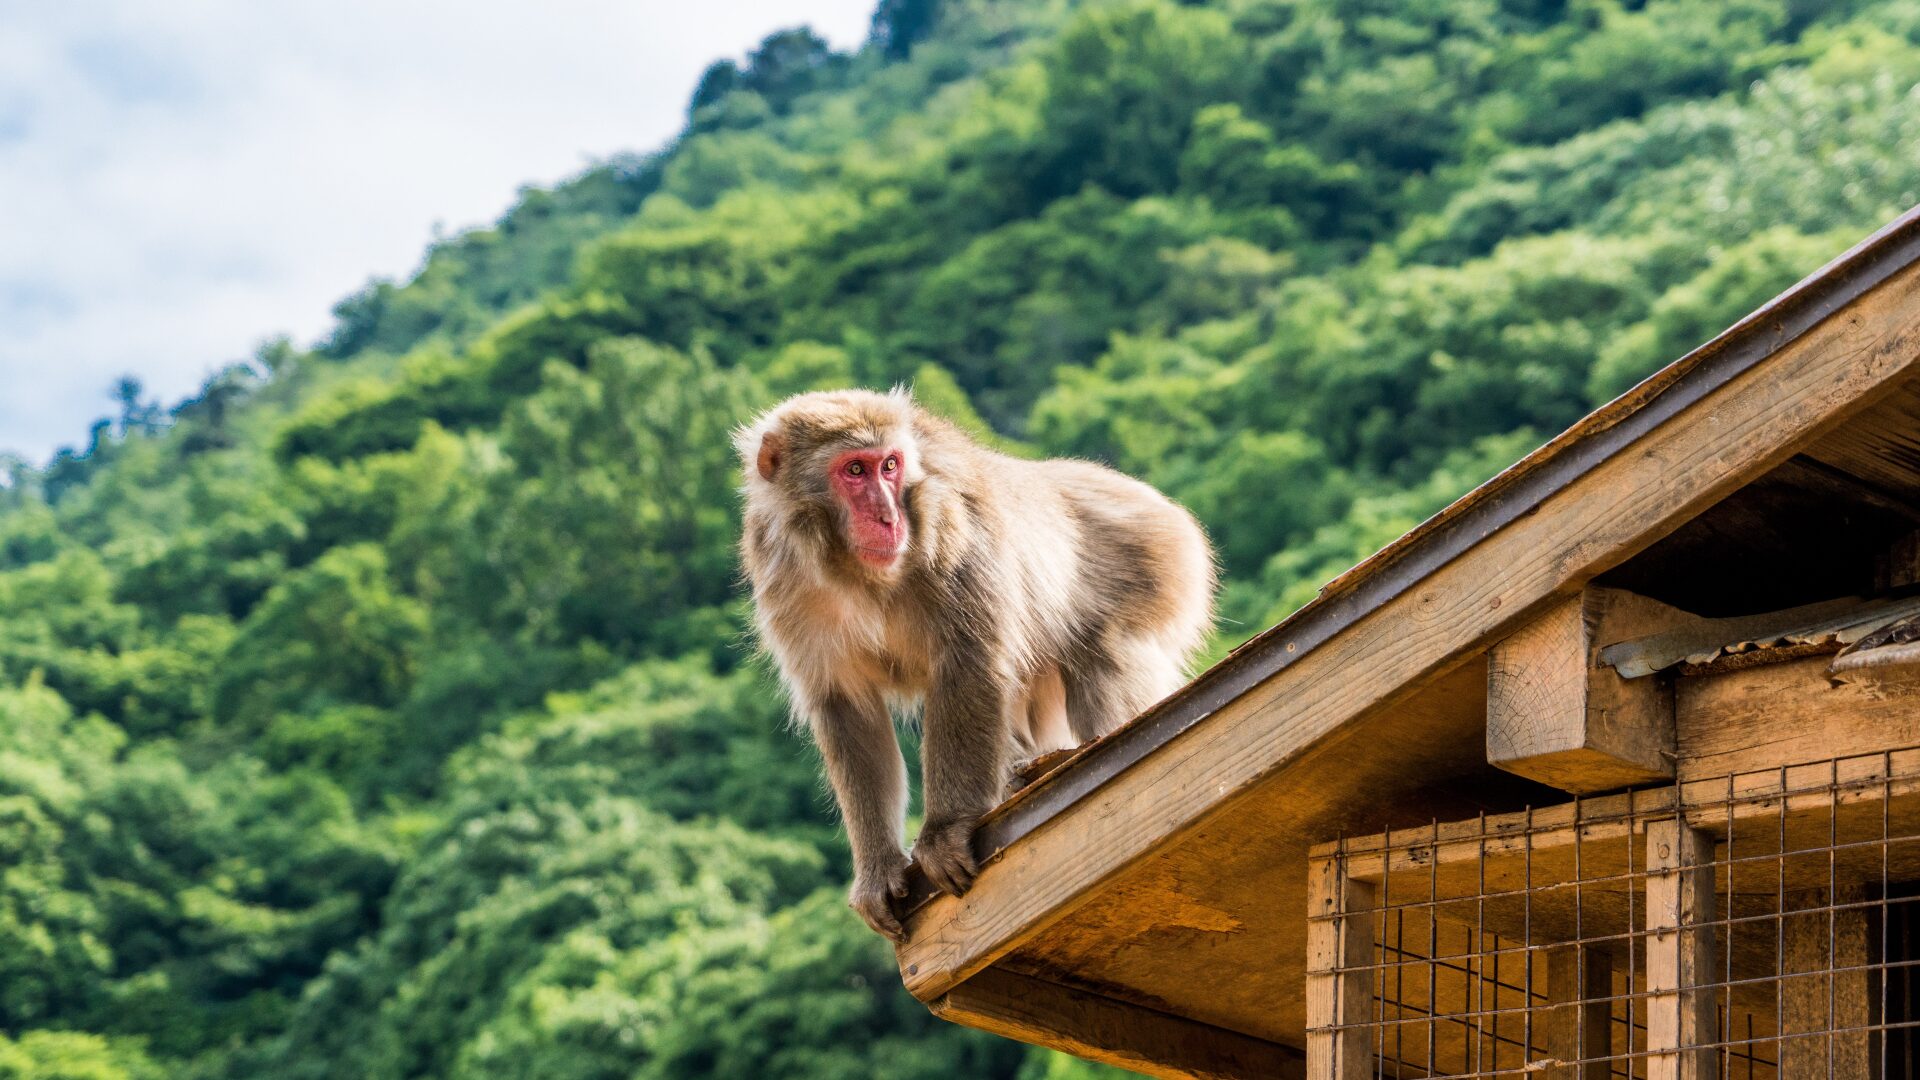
1022 606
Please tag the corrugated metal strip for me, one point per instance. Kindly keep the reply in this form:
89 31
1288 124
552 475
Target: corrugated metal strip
1834 622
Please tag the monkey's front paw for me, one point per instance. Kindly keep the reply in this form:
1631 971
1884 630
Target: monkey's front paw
872 898
945 852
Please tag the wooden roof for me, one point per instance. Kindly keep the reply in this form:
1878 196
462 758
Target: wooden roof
1164 864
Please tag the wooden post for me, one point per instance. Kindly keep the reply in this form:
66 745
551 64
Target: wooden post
1339 998
1840 1005
1579 1023
1681 1027
1557 715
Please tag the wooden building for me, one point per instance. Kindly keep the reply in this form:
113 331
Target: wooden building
1607 770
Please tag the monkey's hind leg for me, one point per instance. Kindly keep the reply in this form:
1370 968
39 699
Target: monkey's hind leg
1039 728
1107 688
1040 719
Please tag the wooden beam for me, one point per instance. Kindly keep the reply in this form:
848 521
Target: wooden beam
1765 717
1817 475
1618 505
1681 1027
1802 806
1579 1026
1108 1030
1899 565
1833 1003
1557 715
1340 914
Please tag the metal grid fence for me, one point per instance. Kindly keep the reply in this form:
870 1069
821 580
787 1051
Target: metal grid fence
1761 925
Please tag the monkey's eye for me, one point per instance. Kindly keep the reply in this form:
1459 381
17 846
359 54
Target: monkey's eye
890 465
856 469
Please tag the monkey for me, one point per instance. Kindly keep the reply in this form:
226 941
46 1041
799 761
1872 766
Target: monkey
898 568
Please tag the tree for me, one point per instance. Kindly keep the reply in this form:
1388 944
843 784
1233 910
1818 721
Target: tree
333 633
138 415
1123 87
789 64
898 24
600 521
721 78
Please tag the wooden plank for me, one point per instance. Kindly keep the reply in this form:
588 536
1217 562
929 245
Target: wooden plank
1579 1025
1340 938
1816 475
1108 1030
1834 1008
1899 565
1880 448
1681 1028
1216 902
1556 715
1803 802
1765 717
1545 837
1697 455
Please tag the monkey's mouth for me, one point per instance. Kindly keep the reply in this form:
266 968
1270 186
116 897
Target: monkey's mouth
879 555
879 544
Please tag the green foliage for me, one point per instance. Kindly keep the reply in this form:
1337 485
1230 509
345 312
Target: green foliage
385 709
674 735
52 956
469 281
1633 59
1240 164
1058 1066
73 1055
1124 84
899 24
621 460
331 633
1020 301
1689 314
699 286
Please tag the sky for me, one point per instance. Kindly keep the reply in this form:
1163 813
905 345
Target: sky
182 181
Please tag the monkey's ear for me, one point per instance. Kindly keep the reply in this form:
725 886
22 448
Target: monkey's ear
773 446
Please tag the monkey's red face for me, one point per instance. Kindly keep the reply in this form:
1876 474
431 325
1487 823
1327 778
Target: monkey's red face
870 484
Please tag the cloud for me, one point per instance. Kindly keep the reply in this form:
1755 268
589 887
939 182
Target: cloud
181 181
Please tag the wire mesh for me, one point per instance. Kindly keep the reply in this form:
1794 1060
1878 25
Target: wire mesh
1747 926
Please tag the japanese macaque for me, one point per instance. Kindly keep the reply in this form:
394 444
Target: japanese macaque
1020 607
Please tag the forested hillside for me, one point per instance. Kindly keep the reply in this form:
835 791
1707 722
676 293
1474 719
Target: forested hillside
386 710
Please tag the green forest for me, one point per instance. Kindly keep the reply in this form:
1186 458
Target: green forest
387 709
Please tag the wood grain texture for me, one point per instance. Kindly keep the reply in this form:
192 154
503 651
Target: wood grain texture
1835 998
1101 1029
1681 1023
1900 564
1803 804
1340 933
1579 1029
1537 687
1699 454
1218 901
1557 715
1881 447
1784 714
